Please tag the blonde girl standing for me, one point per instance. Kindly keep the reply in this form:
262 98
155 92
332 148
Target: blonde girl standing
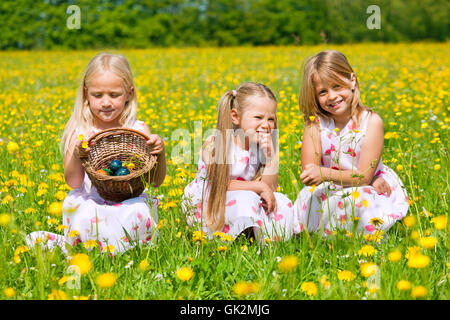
106 99
237 172
347 186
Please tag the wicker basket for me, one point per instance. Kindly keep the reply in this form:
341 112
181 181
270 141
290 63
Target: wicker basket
126 145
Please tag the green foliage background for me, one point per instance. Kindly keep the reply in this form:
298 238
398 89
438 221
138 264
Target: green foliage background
32 24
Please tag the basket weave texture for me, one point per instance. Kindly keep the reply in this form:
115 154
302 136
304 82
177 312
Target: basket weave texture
126 145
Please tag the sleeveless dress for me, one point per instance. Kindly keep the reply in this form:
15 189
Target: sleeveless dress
329 206
87 216
243 208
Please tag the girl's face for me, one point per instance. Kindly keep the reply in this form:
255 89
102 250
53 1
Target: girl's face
107 97
334 98
259 116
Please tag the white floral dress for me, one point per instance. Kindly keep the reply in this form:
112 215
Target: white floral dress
87 216
329 206
243 208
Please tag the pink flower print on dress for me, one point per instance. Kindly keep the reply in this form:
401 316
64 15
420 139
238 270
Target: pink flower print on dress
289 205
259 222
305 207
351 152
358 205
118 204
323 196
328 232
231 202
394 216
370 228
240 179
95 220
332 148
139 215
245 160
148 224
301 227
277 217
51 237
367 190
343 218
341 205
226 228
254 209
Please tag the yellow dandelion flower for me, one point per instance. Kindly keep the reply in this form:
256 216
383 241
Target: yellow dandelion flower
89 244
222 248
355 194
419 292
309 288
198 236
106 280
437 167
243 288
367 251
409 221
12 147
80 137
57 295
418 261
312 118
144 265
84 144
55 209
82 261
74 233
9 292
368 269
395 256
184 273
7 199
5 219
324 282
288 263
427 242
440 222
346 275
403 285
376 221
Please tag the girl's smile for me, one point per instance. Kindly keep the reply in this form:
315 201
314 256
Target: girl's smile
257 119
335 98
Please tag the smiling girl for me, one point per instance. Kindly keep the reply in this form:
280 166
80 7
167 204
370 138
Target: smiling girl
237 172
347 186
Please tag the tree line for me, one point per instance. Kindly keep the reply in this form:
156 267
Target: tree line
47 24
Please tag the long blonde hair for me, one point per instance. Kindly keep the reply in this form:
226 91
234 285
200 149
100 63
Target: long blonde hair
82 117
218 168
332 67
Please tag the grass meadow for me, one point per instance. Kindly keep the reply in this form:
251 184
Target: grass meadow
407 84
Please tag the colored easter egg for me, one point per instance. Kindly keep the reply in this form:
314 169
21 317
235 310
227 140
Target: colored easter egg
108 171
115 165
122 172
102 172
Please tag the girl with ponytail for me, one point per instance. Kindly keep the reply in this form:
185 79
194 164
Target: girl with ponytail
237 173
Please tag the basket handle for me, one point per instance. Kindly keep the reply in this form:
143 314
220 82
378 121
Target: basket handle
107 131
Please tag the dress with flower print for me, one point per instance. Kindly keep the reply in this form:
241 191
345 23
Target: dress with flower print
243 208
87 216
329 206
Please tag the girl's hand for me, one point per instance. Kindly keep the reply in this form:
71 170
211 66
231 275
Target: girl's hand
311 175
269 203
156 144
381 186
265 143
80 152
